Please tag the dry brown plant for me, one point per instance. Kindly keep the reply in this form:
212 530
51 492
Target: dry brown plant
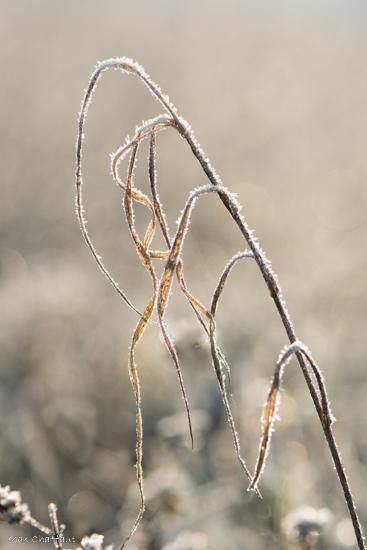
11 507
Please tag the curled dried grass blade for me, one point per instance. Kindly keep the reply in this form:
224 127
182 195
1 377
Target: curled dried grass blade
174 263
224 276
158 208
135 382
165 283
133 371
146 261
217 294
219 359
272 402
142 132
80 210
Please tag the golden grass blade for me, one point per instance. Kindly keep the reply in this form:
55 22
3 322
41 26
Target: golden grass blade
272 402
173 263
146 261
135 382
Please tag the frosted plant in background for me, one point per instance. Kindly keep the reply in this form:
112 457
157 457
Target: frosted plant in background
94 542
12 508
305 525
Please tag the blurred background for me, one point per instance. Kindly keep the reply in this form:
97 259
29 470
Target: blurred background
277 95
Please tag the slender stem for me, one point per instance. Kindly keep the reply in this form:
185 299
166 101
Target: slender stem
52 511
37 525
